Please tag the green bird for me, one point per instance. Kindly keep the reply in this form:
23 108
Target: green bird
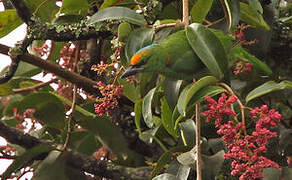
173 58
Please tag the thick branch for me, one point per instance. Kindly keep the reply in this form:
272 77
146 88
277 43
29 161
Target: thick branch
83 162
22 10
80 81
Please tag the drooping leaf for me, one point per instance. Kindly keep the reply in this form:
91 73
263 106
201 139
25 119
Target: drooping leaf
209 49
200 10
184 100
166 118
166 176
188 132
233 9
118 13
171 91
9 20
138 39
256 6
147 108
212 165
165 158
248 15
28 155
183 172
266 88
188 158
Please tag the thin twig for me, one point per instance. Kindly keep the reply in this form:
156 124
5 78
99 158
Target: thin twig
186 13
35 87
159 27
242 107
214 22
70 117
198 142
224 9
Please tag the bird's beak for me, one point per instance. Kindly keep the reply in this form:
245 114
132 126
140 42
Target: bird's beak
132 71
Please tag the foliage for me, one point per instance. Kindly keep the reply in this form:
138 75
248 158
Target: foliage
149 119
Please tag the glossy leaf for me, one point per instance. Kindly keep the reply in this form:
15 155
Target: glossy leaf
79 7
233 9
118 13
21 160
183 172
166 118
188 158
109 3
256 6
209 49
239 52
166 157
212 165
44 104
138 39
249 16
166 176
9 20
147 108
130 91
184 99
188 132
171 91
266 88
45 9
200 10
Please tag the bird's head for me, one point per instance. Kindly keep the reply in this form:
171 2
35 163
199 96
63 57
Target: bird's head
137 60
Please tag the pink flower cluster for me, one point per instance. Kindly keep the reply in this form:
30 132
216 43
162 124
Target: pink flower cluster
242 67
217 110
243 149
41 51
109 101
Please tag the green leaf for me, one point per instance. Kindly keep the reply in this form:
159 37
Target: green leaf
166 118
147 108
239 52
171 91
200 10
52 167
21 160
138 39
109 3
266 88
55 51
248 15
166 157
233 9
9 20
26 69
45 9
45 104
183 172
129 90
124 30
84 142
209 49
212 165
188 132
188 158
118 13
110 136
77 7
166 176
6 89
256 6
184 100
138 115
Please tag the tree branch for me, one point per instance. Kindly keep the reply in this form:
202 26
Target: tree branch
80 81
83 162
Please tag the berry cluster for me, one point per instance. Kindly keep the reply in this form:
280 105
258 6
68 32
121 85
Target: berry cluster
109 101
27 122
244 149
242 67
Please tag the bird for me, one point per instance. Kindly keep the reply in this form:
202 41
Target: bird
173 58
